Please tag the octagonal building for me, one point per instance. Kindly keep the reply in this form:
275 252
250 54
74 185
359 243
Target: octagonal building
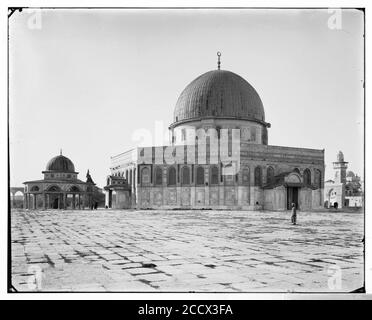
60 188
218 156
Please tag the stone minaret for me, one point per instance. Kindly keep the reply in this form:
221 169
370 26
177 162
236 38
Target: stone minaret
340 167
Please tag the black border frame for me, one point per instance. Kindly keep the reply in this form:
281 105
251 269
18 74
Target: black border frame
12 10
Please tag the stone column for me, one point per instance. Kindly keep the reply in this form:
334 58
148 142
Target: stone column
64 201
133 191
135 184
79 206
206 186
35 203
252 186
107 196
44 201
73 201
110 199
25 201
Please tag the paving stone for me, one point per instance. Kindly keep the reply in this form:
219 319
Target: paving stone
198 250
153 277
137 271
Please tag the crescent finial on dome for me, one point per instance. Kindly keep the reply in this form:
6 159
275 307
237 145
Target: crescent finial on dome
219 61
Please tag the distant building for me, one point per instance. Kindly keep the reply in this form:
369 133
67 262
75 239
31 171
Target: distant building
354 192
346 189
118 192
220 103
16 197
60 188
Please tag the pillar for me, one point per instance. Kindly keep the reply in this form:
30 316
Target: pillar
135 185
73 201
44 201
133 191
64 201
79 201
35 203
25 201
110 199
83 200
252 186
107 195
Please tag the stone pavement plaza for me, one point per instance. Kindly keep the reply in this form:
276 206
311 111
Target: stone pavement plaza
183 251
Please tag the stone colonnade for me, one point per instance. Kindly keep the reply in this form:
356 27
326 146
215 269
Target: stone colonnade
57 200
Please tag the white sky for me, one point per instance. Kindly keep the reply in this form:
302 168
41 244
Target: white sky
88 79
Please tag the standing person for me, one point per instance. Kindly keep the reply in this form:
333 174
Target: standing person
294 213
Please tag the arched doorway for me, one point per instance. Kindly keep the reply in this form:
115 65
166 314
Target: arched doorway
55 204
293 184
329 197
53 197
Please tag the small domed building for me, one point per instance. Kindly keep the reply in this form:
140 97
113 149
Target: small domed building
218 156
60 188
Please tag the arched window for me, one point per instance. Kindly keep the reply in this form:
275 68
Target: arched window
35 188
245 176
145 175
318 178
264 135
185 175
74 189
172 176
214 175
218 131
258 176
296 170
253 133
270 175
54 189
200 176
158 176
307 177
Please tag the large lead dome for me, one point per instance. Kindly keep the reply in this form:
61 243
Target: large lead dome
219 94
